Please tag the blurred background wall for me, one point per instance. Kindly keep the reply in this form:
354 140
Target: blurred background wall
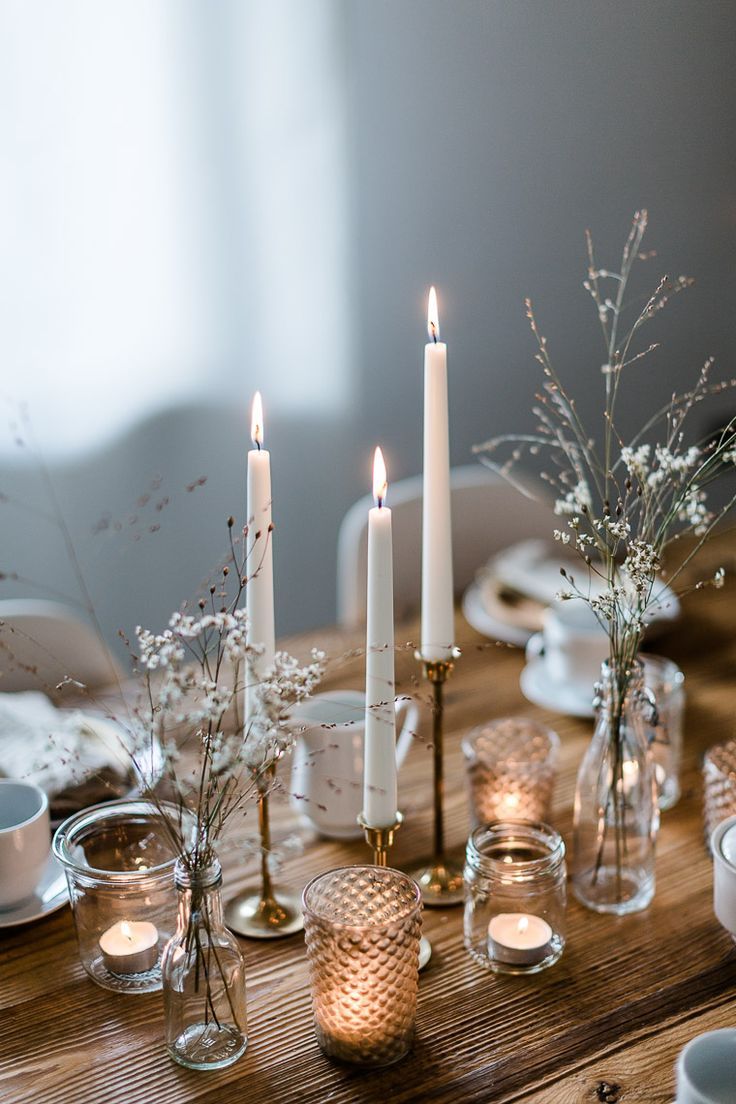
200 200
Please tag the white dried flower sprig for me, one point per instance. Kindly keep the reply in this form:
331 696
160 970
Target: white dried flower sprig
195 673
625 502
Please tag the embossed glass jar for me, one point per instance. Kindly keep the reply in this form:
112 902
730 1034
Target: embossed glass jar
510 765
515 897
362 926
119 866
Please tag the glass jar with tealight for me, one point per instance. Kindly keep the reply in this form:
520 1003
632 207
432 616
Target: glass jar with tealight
515 896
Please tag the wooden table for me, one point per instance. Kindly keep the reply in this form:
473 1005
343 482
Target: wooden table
603 1025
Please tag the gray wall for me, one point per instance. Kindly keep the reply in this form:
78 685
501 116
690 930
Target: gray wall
484 137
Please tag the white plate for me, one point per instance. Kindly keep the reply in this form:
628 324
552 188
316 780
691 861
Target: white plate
44 901
477 616
537 688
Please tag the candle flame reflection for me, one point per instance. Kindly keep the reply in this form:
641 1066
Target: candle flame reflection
256 420
380 484
433 318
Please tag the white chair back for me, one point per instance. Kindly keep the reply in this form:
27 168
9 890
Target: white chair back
487 515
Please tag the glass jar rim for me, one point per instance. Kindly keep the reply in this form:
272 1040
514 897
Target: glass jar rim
468 742
525 831
411 908
64 837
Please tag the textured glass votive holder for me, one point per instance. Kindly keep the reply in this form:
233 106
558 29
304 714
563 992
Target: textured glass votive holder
510 765
362 926
119 866
666 682
515 897
719 785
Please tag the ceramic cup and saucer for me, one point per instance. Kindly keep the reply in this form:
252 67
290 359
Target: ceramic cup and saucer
32 882
564 660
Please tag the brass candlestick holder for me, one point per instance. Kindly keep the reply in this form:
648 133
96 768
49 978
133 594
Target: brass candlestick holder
380 840
441 882
259 913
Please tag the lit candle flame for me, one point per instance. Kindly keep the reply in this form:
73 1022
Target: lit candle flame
523 924
256 420
126 930
380 483
433 318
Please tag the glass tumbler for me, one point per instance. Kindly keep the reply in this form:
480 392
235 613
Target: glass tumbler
515 897
666 681
362 926
719 785
510 765
119 865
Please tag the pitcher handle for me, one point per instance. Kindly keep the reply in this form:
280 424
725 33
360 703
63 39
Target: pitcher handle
409 728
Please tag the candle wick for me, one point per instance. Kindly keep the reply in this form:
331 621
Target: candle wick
379 502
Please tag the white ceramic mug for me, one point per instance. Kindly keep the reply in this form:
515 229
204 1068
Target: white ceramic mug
723 850
706 1069
25 840
327 770
572 644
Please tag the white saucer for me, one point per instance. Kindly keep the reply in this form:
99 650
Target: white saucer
478 617
40 904
537 688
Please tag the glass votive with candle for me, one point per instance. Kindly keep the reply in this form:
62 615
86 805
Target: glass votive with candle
515 897
719 786
119 865
510 765
362 926
666 682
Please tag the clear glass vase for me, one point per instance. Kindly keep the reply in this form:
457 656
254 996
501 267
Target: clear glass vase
616 816
203 976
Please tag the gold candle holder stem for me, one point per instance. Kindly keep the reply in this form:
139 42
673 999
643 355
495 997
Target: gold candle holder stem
380 839
260 914
441 882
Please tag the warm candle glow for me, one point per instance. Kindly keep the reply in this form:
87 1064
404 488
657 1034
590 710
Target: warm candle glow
523 923
126 931
380 484
433 318
256 420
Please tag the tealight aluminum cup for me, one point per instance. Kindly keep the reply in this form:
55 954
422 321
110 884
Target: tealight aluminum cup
706 1069
723 849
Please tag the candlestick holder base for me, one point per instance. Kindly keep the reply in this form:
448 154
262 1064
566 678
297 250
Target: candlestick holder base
256 917
441 883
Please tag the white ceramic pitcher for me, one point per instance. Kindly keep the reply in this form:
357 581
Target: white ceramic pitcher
327 770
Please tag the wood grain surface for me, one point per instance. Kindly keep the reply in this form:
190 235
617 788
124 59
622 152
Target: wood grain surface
603 1025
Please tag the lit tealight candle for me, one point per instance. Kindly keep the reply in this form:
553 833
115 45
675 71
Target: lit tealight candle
519 939
130 947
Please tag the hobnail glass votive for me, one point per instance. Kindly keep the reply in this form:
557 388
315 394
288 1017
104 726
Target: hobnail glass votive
719 785
510 764
666 682
515 897
362 926
119 866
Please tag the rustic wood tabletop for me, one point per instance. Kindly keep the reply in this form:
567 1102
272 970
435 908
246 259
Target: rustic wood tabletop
603 1025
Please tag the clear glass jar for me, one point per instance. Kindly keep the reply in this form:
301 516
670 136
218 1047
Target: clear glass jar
119 866
665 681
616 816
515 897
203 976
362 926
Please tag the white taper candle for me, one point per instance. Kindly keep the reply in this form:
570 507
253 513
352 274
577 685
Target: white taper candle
259 562
438 624
379 777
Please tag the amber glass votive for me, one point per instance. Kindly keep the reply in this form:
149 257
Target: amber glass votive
719 786
511 765
362 926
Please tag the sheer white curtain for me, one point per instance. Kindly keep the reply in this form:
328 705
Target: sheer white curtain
172 209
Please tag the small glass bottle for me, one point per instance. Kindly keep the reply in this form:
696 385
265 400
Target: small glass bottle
203 976
616 817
